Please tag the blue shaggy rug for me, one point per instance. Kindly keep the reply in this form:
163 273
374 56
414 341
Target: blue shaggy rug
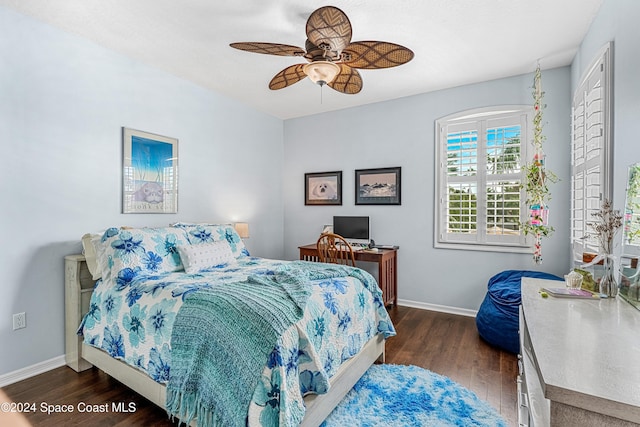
396 395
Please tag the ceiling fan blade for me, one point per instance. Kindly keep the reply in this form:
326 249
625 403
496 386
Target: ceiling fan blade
329 28
347 81
373 54
269 48
287 77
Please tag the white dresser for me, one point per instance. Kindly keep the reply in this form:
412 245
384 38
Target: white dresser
580 360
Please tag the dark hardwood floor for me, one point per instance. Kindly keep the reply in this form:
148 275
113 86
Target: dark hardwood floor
443 343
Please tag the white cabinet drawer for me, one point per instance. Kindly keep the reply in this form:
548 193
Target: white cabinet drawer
530 392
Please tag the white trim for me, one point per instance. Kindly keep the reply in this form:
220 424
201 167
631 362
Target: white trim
31 371
439 308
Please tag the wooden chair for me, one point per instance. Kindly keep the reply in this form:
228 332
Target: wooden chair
334 249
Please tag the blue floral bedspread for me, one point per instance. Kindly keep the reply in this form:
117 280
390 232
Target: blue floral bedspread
132 320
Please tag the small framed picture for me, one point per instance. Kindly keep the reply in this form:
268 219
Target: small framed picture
378 186
323 188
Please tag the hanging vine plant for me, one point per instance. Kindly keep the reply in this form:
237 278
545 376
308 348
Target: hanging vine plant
536 178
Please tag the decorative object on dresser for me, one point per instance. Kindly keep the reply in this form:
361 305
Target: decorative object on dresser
130 314
323 188
573 280
378 186
569 293
387 260
333 248
149 172
574 367
605 227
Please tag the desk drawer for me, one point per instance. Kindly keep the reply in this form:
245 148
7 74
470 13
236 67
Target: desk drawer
537 409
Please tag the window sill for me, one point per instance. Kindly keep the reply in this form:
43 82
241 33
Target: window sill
484 247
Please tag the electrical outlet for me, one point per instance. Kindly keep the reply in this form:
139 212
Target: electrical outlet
19 321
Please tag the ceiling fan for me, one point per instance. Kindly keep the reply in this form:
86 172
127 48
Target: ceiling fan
333 57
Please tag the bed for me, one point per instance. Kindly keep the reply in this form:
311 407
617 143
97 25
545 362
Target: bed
133 296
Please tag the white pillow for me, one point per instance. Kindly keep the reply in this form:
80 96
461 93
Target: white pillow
196 258
206 233
89 241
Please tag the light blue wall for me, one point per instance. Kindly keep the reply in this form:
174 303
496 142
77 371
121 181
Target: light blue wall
63 101
401 133
617 22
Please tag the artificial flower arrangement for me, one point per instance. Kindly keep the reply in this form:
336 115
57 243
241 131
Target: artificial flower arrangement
608 222
605 227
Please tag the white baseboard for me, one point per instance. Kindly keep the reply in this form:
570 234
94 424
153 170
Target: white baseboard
31 371
440 308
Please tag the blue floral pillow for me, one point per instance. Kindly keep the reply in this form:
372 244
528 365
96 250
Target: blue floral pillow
208 233
129 252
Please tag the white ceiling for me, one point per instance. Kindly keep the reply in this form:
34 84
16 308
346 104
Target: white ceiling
455 42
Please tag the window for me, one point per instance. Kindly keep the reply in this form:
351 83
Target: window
479 154
590 151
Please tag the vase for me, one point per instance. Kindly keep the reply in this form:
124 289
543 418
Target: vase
608 282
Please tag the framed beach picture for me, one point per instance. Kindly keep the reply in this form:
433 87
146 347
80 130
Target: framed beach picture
149 173
323 188
378 186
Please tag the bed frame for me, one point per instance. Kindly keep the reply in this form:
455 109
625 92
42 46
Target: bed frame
79 356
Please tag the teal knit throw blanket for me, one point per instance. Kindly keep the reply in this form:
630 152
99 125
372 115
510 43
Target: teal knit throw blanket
222 338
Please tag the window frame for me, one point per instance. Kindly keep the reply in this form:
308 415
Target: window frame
502 116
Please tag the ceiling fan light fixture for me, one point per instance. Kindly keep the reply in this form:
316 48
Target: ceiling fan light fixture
321 72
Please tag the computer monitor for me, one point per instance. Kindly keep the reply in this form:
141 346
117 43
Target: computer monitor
353 228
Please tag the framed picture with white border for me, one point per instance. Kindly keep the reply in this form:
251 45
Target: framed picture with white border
149 172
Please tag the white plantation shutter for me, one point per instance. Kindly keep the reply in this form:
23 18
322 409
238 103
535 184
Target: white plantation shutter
590 151
479 155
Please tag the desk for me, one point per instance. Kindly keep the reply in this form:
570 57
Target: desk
386 259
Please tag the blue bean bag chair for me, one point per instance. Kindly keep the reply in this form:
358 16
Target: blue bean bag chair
497 319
